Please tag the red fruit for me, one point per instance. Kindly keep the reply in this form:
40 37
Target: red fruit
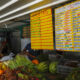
37 79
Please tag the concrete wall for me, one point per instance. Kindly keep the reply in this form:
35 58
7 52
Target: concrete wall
24 42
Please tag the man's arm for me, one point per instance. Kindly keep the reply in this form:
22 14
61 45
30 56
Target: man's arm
27 53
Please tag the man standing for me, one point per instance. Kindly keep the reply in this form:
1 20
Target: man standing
30 52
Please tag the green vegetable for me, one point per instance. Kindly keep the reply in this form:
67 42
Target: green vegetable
20 61
43 67
74 75
43 78
53 67
12 64
39 76
21 75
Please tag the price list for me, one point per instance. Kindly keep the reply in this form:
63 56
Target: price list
59 19
35 30
67 23
76 25
42 29
46 29
26 32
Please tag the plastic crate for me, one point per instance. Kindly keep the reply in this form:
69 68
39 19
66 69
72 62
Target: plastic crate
64 69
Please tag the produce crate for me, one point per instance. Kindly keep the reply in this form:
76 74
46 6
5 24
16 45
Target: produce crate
66 66
64 69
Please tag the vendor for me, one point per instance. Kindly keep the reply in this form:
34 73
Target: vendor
30 52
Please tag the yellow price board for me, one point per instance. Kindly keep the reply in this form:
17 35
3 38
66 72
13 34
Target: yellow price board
42 29
35 30
67 27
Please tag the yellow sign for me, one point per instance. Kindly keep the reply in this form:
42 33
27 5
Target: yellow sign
42 29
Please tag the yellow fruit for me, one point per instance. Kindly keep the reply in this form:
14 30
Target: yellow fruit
4 67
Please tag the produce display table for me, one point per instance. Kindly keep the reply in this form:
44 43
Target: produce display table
21 68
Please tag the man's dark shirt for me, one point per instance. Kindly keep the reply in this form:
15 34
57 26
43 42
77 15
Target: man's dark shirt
31 51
